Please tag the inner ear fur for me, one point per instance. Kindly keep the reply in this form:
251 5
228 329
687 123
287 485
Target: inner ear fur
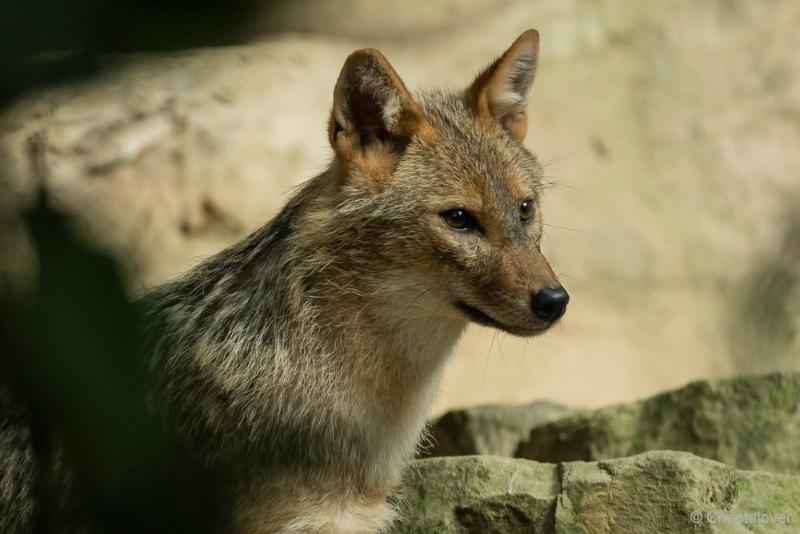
500 92
373 112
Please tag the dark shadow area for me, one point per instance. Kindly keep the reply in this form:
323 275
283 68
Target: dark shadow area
763 327
43 42
78 444
73 373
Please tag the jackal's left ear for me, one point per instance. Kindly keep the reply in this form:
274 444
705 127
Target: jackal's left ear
500 92
372 107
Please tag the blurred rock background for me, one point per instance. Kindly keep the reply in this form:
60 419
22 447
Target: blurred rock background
671 133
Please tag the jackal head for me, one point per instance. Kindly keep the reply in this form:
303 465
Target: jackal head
438 188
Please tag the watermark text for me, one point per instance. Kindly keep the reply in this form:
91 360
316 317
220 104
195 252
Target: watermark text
721 517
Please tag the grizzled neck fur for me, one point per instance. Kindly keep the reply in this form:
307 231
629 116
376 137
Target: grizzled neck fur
242 372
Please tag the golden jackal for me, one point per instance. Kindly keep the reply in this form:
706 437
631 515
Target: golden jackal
301 362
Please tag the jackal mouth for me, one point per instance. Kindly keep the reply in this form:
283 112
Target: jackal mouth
483 319
478 316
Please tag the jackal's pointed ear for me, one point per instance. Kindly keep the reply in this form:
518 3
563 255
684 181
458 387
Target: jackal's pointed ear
500 92
372 109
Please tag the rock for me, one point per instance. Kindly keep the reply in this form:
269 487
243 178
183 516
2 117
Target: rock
659 491
478 494
372 20
672 154
750 422
490 429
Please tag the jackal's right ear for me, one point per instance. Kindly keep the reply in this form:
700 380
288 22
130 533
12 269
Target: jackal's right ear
372 109
500 93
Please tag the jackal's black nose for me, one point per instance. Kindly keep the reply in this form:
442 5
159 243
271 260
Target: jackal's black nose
550 303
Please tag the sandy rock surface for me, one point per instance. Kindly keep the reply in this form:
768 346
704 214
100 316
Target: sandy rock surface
670 132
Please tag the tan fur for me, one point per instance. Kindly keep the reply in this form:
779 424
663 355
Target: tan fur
367 71
362 265
298 366
493 94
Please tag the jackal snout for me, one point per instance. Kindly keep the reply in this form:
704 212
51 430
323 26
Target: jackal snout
550 303
510 286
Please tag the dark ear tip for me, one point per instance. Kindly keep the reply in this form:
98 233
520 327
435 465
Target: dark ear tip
531 36
364 55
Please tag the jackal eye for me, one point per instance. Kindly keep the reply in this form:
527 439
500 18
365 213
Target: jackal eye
459 219
526 210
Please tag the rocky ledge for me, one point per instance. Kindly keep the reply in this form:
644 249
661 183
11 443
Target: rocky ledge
657 491
702 458
749 422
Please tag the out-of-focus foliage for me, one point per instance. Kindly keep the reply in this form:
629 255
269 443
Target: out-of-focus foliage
71 352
